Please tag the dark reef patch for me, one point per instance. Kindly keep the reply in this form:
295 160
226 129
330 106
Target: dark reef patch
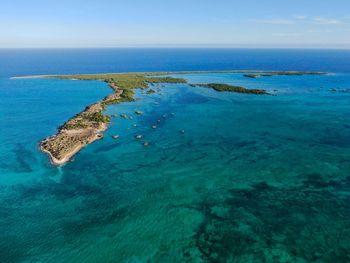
191 98
24 157
266 223
107 148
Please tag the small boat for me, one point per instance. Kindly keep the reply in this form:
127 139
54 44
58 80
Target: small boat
135 125
139 136
154 126
146 144
138 112
115 136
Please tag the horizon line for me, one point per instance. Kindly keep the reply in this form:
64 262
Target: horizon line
182 47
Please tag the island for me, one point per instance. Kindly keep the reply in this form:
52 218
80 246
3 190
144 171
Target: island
89 125
230 88
255 75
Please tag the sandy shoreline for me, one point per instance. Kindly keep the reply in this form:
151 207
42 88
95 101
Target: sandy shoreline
31 77
74 149
78 132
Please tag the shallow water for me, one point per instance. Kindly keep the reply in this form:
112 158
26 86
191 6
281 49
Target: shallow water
251 179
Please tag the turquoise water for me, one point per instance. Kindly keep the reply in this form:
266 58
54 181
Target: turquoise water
251 179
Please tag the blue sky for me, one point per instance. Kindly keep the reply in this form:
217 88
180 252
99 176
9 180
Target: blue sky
177 23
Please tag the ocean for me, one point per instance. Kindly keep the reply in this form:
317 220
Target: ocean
226 177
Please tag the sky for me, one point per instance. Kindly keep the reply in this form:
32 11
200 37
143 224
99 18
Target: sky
175 23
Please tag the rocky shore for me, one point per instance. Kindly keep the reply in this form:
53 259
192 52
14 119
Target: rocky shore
81 130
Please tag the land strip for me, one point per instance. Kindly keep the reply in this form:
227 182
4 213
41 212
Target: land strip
89 125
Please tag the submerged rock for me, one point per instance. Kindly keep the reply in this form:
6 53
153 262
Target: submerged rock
340 90
151 91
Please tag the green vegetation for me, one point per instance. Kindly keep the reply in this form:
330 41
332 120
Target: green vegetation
253 76
150 91
104 104
280 73
230 88
97 117
127 82
257 75
84 120
78 125
88 124
127 95
130 81
165 80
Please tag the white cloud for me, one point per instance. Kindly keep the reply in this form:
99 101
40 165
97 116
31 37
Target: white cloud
274 21
300 19
326 21
319 31
287 35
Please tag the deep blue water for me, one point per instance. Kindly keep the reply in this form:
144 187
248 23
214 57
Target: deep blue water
251 179
47 61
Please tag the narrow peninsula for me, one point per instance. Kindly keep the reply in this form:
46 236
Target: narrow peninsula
89 125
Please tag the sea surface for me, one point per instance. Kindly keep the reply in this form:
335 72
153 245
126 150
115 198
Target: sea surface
226 177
